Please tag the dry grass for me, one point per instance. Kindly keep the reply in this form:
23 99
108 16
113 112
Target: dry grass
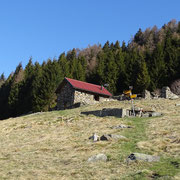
164 132
55 145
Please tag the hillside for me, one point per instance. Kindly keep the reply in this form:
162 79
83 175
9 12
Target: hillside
150 60
56 145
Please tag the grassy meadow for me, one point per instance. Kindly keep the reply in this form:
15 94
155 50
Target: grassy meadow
55 145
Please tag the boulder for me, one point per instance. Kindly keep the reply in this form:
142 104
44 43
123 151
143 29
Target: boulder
175 87
116 136
156 93
105 137
147 95
166 93
155 114
142 157
98 157
94 137
121 126
108 137
145 114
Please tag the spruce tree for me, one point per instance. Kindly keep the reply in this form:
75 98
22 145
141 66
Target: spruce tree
143 78
64 65
2 79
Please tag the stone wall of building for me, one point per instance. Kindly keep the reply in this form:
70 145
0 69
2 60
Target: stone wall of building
70 98
84 98
65 97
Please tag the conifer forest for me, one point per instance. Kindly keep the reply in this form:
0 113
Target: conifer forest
150 60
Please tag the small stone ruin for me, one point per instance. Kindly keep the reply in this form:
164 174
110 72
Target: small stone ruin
165 92
120 112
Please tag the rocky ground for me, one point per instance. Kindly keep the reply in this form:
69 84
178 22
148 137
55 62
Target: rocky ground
60 144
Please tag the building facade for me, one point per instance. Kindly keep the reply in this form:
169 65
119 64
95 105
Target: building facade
73 93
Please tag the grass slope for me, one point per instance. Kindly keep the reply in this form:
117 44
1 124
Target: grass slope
55 145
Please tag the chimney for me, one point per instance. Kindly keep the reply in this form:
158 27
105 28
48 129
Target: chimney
101 87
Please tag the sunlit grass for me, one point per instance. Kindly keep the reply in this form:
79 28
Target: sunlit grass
55 145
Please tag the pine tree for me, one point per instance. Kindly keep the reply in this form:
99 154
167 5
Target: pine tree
25 94
111 72
143 78
36 88
4 93
15 85
64 65
100 76
120 57
51 77
158 72
2 79
170 57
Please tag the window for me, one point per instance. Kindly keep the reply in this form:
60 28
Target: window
96 97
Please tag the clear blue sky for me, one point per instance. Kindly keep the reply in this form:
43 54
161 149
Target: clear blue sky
45 28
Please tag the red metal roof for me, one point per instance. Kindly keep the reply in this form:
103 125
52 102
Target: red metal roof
88 87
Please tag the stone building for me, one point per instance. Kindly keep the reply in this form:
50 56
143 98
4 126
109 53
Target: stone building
72 93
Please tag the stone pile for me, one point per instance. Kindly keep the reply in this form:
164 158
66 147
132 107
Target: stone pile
121 126
165 92
98 157
147 95
142 157
106 137
95 137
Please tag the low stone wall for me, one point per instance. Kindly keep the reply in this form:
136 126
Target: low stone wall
109 112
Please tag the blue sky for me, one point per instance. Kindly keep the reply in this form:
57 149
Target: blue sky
45 28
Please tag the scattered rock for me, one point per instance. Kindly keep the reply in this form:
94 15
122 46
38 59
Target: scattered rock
174 97
156 93
105 137
108 137
145 114
121 126
142 157
166 93
151 114
177 105
116 136
155 114
175 164
175 87
98 157
95 137
147 95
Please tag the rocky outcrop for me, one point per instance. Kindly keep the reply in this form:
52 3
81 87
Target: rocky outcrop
146 95
121 126
166 93
108 137
142 157
98 157
95 137
175 87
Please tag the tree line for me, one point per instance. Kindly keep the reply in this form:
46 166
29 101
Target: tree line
149 61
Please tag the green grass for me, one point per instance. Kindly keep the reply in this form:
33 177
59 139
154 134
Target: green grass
142 170
55 145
